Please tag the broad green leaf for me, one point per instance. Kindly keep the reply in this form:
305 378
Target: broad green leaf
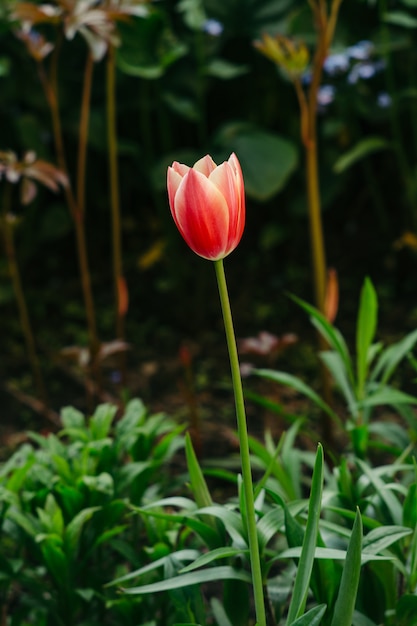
225 70
73 530
55 560
101 421
312 617
213 574
295 383
72 418
305 566
400 18
346 598
362 149
361 620
365 332
406 611
267 159
148 47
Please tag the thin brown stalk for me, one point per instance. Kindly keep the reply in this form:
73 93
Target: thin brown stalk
114 191
50 85
25 323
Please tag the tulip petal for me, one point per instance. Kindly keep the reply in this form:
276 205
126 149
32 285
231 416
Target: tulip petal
206 165
180 168
229 181
202 215
173 182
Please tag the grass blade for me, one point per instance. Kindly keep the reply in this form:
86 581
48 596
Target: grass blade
305 566
345 603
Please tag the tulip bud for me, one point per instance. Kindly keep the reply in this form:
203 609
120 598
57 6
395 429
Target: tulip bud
207 202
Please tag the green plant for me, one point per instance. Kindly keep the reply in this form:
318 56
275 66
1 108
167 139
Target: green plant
363 382
65 514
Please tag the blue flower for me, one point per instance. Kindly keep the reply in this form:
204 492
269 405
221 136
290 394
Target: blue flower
325 96
213 27
361 51
336 64
384 100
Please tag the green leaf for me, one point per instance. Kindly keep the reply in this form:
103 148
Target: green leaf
213 574
336 367
388 498
392 356
410 508
148 47
346 598
362 149
400 18
55 560
381 538
219 613
267 159
386 395
365 332
73 530
213 555
331 334
312 617
101 421
180 555
295 383
305 566
72 418
406 611
225 70
198 483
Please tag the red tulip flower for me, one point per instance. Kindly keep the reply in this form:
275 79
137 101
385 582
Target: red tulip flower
207 203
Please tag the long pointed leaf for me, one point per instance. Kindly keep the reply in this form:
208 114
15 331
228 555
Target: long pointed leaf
295 383
305 566
365 332
345 603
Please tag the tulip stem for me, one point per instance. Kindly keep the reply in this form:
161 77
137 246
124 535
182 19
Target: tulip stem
244 446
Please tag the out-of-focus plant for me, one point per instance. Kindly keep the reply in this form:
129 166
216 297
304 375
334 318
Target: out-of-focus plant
292 57
364 383
97 25
25 173
64 516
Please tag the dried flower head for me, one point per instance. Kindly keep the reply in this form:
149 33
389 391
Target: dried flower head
94 20
290 55
36 44
28 170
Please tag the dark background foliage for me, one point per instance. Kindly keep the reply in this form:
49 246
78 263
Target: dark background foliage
190 82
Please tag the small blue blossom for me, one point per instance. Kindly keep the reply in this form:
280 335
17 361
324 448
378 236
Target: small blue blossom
361 51
365 70
325 96
336 64
116 377
213 27
384 100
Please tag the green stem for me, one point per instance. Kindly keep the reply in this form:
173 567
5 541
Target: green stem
244 446
80 213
